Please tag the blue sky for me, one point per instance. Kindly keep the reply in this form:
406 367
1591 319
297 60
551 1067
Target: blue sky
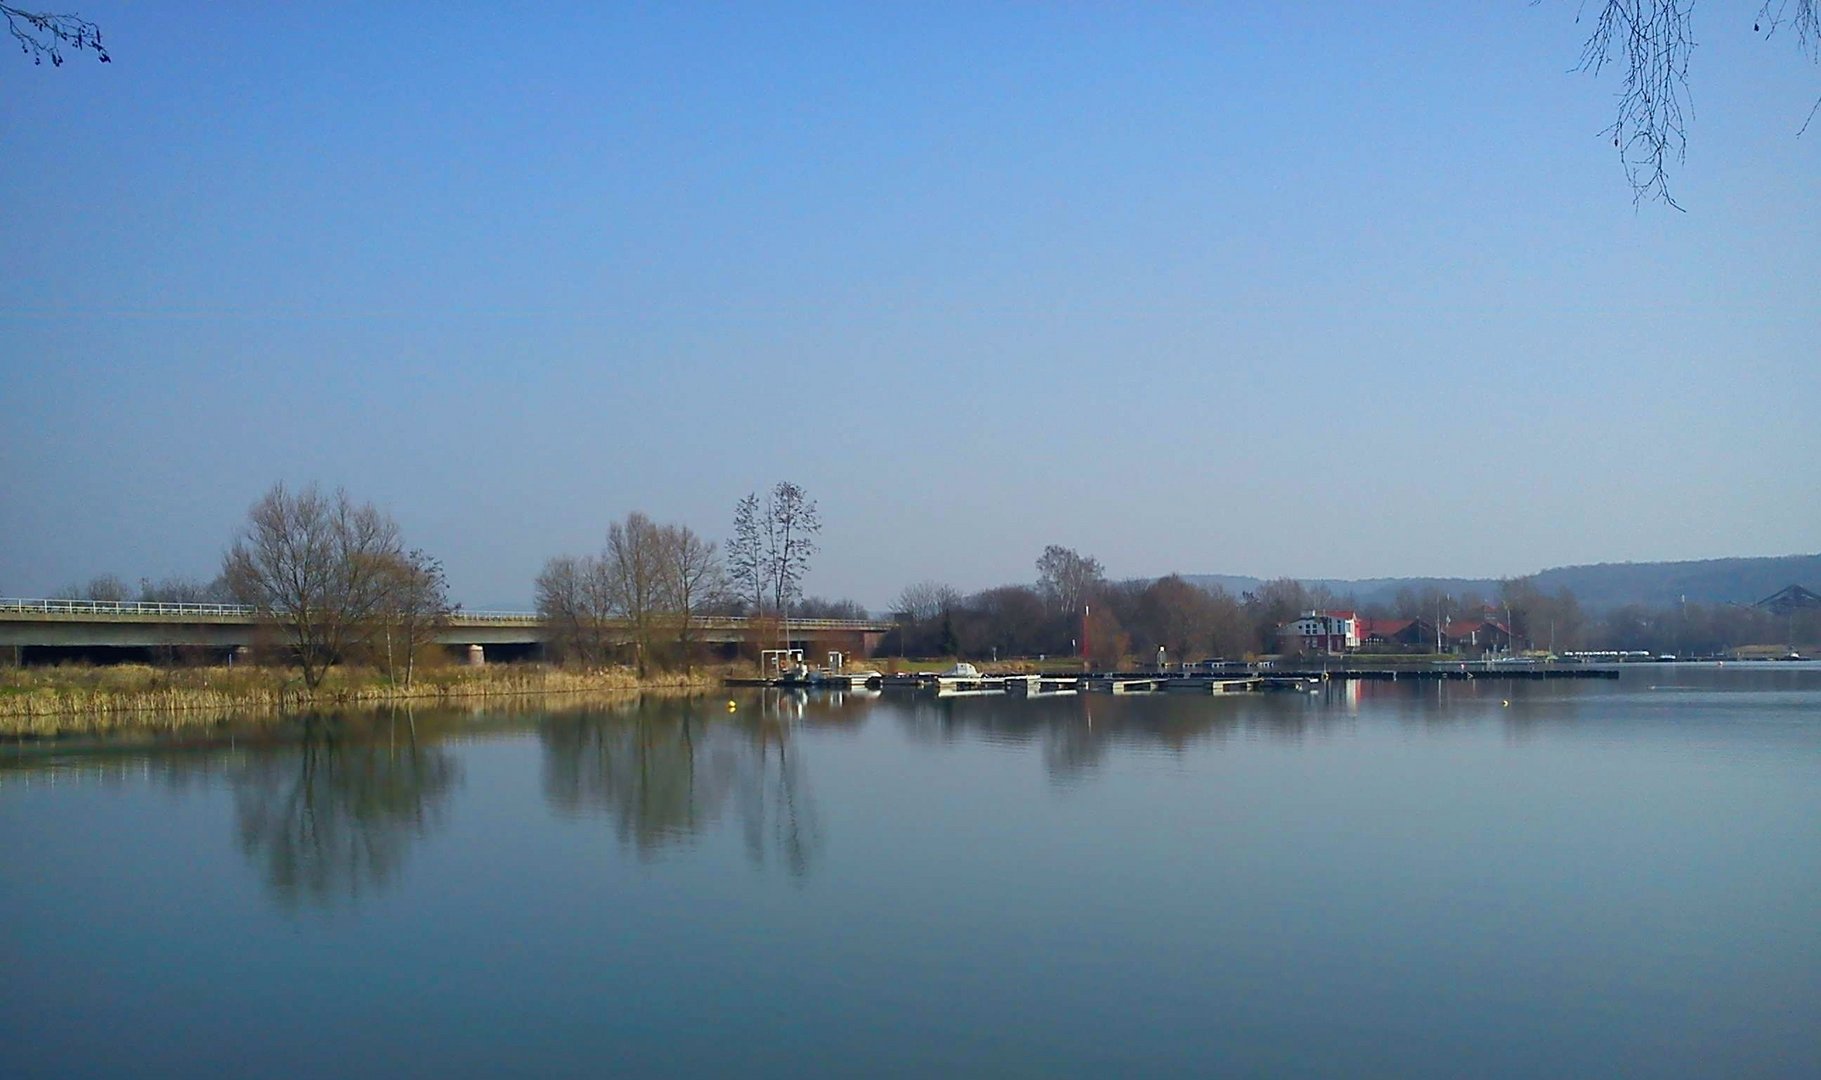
1327 290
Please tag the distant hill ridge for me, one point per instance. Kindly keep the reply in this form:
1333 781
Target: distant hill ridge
1599 587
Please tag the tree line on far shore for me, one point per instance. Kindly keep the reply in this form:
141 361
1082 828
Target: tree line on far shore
337 582
1073 609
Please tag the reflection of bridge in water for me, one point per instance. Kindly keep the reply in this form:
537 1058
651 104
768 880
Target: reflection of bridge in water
60 627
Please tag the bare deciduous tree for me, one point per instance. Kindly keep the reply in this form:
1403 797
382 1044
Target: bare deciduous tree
317 566
183 590
1011 620
693 583
650 585
1068 580
43 35
103 588
1274 603
573 601
746 566
634 564
791 525
1231 632
415 607
824 607
926 600
920 609
1177 616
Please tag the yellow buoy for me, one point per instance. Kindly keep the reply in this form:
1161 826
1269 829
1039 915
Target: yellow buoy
1506 703
731 706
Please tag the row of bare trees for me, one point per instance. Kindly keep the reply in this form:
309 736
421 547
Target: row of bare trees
1073 610
336 579
110 588
650 585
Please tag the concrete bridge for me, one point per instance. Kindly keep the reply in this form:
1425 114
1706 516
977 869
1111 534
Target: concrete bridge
34 629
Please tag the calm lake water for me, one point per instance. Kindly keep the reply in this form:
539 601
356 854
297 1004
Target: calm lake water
1460 879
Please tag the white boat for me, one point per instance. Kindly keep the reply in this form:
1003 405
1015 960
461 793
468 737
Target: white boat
846 680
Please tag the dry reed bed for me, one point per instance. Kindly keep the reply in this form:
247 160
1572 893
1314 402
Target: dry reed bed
57 701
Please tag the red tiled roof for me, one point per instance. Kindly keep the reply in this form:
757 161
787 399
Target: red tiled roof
1463 627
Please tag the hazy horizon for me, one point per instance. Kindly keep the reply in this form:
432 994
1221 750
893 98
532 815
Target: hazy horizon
1342 292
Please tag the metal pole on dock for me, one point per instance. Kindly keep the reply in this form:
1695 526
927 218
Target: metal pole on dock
1086 663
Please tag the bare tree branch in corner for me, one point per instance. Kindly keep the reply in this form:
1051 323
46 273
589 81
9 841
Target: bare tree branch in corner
1774 15
1654 38
43 35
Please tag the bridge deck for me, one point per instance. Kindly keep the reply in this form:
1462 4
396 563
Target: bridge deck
133 624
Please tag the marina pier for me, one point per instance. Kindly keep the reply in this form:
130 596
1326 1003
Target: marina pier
968 682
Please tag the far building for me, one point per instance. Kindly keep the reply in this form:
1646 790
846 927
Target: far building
1789 600
1336 632
1406 633
1482 635
1321 631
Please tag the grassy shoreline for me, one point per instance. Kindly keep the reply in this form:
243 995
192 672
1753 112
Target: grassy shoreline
61 701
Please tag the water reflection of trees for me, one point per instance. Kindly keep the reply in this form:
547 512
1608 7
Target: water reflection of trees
1078 733
337 813
664 771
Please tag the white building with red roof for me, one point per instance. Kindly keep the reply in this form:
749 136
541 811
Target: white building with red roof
1321 631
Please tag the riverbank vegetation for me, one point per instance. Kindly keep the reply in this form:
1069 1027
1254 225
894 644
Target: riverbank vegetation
82 699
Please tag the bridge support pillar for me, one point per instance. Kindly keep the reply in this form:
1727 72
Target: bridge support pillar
477 656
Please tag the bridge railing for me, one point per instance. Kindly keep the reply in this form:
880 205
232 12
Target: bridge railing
153 607
707 622
119 607
726 622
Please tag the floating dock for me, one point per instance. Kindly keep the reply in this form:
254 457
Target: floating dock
1139 682
1468 670
1042 685
1214 686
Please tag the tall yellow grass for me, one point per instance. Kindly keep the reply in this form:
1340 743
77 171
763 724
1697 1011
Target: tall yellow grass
40 702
